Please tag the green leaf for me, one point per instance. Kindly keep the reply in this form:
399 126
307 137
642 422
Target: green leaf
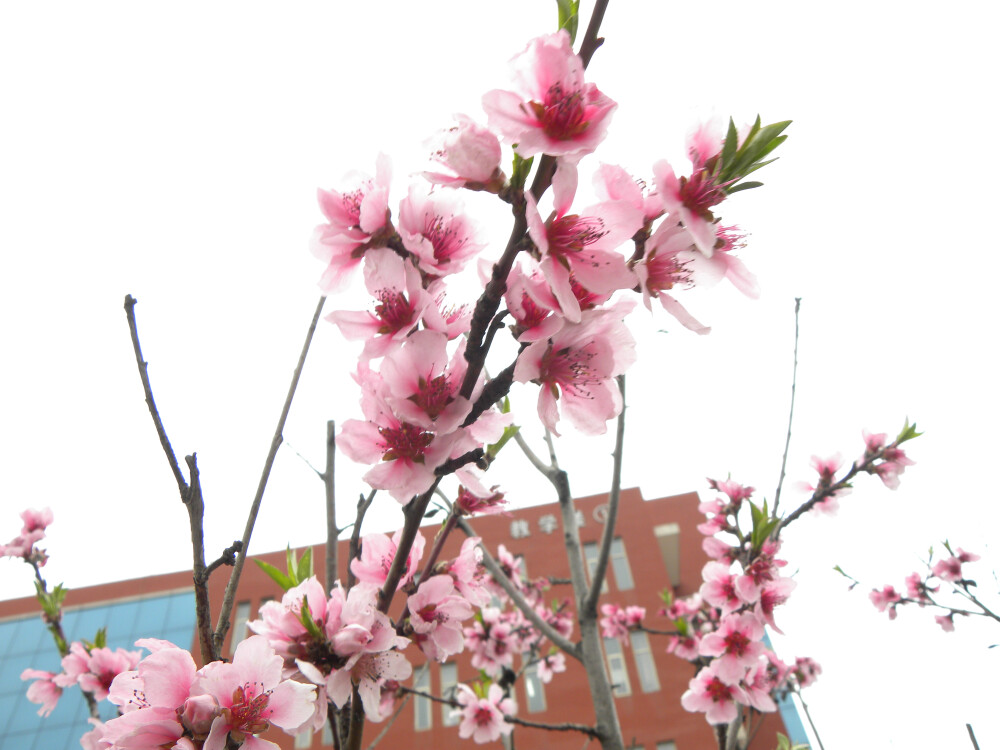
508 432
304 568
730 144
569 16
305 616
276 575
520 170
743 186
101 639
908 432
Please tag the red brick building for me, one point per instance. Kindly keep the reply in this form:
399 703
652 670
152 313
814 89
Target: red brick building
656 546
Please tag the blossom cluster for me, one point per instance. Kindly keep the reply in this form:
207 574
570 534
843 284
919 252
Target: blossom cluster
32 532
424 396
924 590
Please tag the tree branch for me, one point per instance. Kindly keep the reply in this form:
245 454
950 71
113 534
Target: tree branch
222 625
354 550
791 406
607 537
182 485
566 726
332 532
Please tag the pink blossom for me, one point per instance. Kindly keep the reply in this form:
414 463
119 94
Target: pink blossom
355 216
423 382
917 589
474 498
400 303
36 520
437 613
758 685
471 155
551 109
377 554
532 305
582 248
735 491
887 597
547 666
685 646
706 271
43 690
772 594
577 367
947 623
708 693
404 454
469 574
737 644
435 229
806 671
483 718
662 267
251 695
690 200
719 587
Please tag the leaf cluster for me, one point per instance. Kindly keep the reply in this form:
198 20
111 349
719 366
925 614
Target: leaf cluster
737 160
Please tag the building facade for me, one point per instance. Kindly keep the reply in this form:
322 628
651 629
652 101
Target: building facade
656 546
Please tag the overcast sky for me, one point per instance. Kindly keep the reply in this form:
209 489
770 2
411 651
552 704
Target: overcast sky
173 152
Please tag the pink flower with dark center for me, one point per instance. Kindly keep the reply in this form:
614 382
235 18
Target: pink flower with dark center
356 219
437 613
251 696
577 367
532 305
917 589
806 671
737 644
377 554
713 696
552 110
947 623
582 246
474 498
663 267
422 381
483 718
719 587
772 594
400 302
690 200
433 228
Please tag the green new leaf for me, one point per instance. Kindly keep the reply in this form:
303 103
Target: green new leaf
304 567
276 575
908 432
305 616
519 171
744 186
101 639
569 16
508 432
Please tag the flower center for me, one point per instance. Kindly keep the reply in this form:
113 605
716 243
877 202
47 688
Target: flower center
562 115
247 714
406 441
394 310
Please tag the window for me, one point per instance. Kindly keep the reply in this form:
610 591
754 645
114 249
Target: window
619 563
617 672
327 732
668 537
449 681
239 625
422 718
666 745
304 739
591 550
535 689
644 664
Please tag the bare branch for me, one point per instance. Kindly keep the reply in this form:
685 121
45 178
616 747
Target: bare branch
791 407
332 532
530 454
566 726
354 550
608 535
222 625
182 485
228 557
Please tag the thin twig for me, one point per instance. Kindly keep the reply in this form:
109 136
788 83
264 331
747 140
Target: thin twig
566 726
608 535
791 406
332 532
228 557
972 736
130 303
530 454
222 625
354 550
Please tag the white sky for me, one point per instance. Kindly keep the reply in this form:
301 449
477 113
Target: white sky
174 153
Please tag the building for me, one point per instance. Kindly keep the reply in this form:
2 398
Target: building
656 546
